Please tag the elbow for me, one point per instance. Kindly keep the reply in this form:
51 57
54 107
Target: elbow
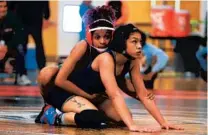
58 82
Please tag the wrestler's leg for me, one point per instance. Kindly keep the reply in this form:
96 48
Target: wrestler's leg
79 111
46 74
74 109
77 104
109 110
44 77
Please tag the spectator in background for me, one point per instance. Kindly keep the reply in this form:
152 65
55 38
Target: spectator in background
85 5
193 43
121 10
5 65
153 61
191 65
201 55
31 14
11 33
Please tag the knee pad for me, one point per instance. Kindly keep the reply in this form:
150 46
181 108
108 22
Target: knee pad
91 119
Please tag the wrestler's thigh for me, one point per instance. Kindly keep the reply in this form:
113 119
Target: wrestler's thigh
46 74
77 104
109 110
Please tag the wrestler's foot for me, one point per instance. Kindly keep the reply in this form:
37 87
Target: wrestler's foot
37 119
49 115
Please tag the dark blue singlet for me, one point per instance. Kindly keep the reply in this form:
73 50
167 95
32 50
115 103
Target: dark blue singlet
88 79
85 78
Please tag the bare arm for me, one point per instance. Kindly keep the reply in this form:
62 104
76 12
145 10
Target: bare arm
106 69
142 93
149 103
68 67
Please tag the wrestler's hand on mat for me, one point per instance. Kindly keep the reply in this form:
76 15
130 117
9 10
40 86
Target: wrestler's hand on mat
136 128
168 126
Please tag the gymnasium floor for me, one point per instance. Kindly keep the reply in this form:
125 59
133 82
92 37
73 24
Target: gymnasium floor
181 101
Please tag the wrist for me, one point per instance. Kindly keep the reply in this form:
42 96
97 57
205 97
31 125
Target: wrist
163 123
82 93
130 124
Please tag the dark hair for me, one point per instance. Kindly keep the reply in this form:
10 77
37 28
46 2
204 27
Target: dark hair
120 36
103 12
117 6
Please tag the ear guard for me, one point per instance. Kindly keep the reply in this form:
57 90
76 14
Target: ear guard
90 119
88 35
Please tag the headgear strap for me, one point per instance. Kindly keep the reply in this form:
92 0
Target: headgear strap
101 24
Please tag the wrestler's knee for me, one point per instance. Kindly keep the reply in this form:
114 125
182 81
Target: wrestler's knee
90 119
46 74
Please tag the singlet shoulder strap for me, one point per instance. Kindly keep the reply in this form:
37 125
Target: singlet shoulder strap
89 48
88 45
126 68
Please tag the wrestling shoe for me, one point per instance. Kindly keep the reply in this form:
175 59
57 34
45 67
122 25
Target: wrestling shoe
49 115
